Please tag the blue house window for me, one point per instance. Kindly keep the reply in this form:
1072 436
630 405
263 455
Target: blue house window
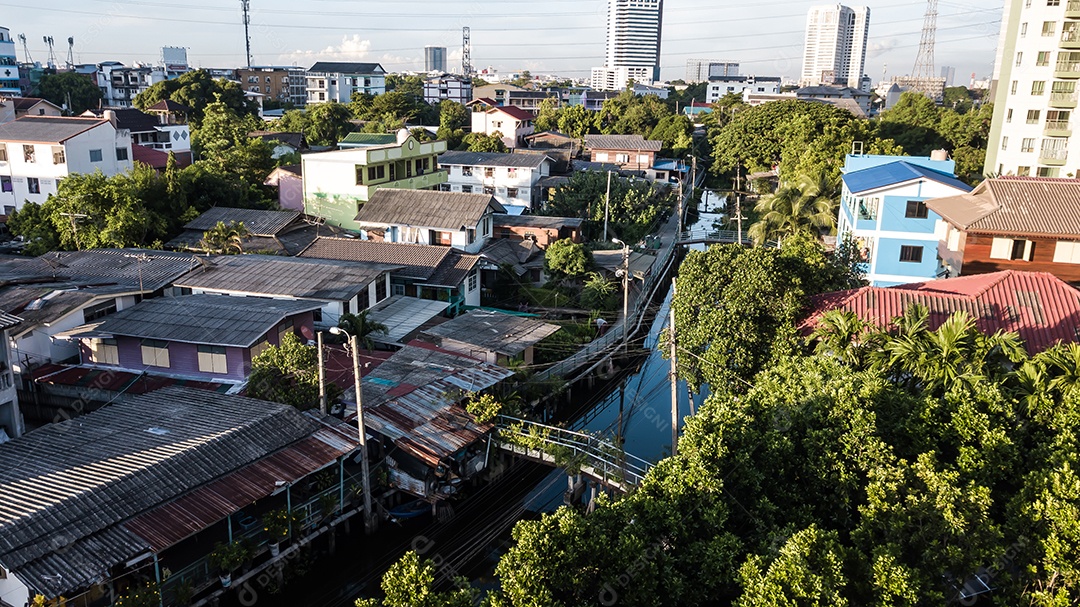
911 254
916 209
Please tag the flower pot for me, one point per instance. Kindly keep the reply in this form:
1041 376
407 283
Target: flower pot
275 549
226 579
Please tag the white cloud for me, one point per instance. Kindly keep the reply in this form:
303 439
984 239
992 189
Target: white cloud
352 48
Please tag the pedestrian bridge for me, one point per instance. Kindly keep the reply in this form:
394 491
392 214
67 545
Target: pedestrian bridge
593 457
712 237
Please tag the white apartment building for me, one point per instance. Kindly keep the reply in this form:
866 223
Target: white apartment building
120 84
1035 90
455 88
336 81
511 123
36 152
616 78
701 70
835 46
722 85
510 178
9 66
633 35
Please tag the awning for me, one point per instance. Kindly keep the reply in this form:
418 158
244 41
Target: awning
401 315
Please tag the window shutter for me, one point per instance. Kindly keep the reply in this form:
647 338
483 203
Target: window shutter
1001 248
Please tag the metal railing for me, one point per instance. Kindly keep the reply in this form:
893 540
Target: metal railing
1068 66
1062 97
1057 125
594 456
1073 5
713 236
1054 154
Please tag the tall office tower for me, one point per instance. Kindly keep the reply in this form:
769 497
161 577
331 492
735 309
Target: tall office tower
633 35
835 50
435 59
949 74
700 70
1034 90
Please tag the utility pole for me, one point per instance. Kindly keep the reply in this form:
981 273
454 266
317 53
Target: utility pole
365 472
607 204
674 375
625 289
322 375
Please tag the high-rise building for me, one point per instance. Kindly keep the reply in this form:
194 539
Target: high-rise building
9 65
1034 91
949 74
633 35
835 51
435 59
700 70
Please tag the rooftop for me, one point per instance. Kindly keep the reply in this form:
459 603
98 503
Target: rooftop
138 269
426 208
168 105
258 222
493 159
199 319
344 67
88 494
47 129
133 119
284 276
622 142
538 221
1016 205
1039 306
895 173
498 332
402 315
513 111
415 260
366 139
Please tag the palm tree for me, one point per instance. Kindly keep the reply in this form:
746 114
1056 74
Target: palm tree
807 205
225 239
842 334
362 327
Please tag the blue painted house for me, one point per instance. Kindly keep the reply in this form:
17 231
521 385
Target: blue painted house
882 209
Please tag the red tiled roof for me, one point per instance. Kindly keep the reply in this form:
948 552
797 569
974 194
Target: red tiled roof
1039 306
156 158
514 112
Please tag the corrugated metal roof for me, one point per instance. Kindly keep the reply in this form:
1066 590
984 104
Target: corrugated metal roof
365 139
494 331
1016 205
493 159
1038 306
622 142
203 319
7 320
258 222
453 270
46 129
401 315
416 260
895 173
319 279
537 221
426 208
131 267
344 67
66 488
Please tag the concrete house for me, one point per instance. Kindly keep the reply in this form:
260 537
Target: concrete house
34 106
36 152
336 81
510 122
450 219
511 178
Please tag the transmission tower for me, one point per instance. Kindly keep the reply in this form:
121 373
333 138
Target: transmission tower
246 5
25 48
71 52
466 53
52 53
924 63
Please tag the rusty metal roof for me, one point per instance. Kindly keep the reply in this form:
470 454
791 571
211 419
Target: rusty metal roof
1038 306
492 331
1039 206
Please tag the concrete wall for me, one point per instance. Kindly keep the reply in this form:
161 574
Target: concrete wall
502 179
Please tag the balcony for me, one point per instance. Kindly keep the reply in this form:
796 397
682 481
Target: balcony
1054 157
1063 100
1072 9
1057 128
1070 38
1067 69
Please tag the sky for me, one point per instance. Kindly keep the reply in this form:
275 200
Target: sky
564 37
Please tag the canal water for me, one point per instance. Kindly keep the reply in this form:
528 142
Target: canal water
636 406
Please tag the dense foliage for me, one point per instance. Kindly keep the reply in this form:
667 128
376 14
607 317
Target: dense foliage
197 89
635 208
70 90
288 373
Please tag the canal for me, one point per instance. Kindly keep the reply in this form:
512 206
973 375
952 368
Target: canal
634 404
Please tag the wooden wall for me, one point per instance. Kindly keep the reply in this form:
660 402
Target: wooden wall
977 259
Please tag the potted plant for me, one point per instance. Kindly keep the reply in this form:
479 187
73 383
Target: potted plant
226 558
328 504
276 523
183 592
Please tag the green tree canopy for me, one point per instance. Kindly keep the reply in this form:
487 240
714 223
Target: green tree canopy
288 374
70 90
566 259
197 89
479 142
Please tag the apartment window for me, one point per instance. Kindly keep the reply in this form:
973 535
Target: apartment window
359 174
333 82
121 154
376 172
408 169
1047 172
1004 143
622 158
419 166
3 153
1023 30
1049 28
466 171
1042 59
1012 89
104 352
1008 115
58 154
155 353
33 185
443 239
473 281
28 153
1011 249
489 172
1033 117
1053 2
1023 171
259 348
466 189
470 235
6 185
511 192
445 187
1027 144
916 209
212 359
490 191
95 156
1019 58
911 254
511 172
1038 87
322 96
393 172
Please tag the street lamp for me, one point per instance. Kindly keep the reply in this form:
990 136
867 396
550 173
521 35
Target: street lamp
365 473
625 286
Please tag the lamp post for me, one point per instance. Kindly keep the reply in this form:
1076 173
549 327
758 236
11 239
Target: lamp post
625 287
365 472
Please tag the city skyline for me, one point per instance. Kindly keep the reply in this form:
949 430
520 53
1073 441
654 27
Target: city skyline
566 42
